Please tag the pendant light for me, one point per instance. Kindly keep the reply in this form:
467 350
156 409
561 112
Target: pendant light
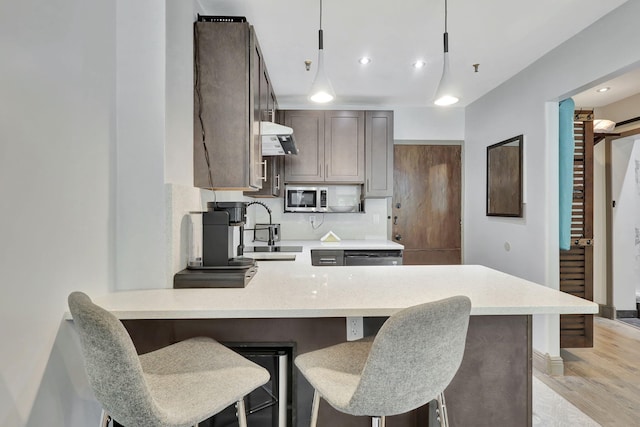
321 89
446 94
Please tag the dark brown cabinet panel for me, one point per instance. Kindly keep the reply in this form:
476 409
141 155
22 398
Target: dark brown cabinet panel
344 146
308 129
379 154
274 184
228 106
330 144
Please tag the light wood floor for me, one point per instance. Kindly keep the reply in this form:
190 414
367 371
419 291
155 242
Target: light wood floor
603 381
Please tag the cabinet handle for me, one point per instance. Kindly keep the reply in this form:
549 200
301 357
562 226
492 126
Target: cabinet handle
398 237
367 185
326 171
264 165
278 182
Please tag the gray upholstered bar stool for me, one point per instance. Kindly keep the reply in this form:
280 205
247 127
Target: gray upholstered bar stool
176 386
409 362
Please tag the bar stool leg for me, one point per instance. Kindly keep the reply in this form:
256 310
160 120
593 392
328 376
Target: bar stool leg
105 419
314 408
240 412
442 411
378 421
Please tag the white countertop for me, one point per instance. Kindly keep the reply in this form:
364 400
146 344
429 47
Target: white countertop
283 289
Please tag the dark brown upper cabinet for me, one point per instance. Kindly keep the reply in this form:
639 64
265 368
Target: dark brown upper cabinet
330 145
232 95
378 154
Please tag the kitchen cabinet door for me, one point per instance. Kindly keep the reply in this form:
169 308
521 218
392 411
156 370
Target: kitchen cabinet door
379 154
308 130
260 89
330 144
344 146
227 146
273 186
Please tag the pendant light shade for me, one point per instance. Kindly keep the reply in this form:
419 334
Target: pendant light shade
321 89
446 93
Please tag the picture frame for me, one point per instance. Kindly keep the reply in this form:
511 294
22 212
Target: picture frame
505 178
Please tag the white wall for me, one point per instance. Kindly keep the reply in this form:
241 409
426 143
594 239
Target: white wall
625 186
57 133
625 109
525 105
599 225
141 253
428 123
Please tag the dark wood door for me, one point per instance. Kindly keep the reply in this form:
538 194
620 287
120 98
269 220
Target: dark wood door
427 203
576 264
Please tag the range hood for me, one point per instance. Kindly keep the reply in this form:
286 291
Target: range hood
277 140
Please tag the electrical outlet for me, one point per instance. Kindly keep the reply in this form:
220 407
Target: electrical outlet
312 219
355 328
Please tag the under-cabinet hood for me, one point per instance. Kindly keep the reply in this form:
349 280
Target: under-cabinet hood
277 140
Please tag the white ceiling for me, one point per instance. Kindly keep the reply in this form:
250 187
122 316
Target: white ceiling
620 87
503 36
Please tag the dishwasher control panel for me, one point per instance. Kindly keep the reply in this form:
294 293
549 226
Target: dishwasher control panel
343 257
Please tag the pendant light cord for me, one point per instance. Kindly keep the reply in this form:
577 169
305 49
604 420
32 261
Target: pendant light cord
320 37
445 16
446 33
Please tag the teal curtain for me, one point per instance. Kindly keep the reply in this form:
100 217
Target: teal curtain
566 146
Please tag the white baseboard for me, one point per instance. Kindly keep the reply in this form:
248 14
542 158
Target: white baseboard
550 365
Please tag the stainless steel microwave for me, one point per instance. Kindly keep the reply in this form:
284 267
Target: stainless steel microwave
306 199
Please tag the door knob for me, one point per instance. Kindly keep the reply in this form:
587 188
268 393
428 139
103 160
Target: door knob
397 237
398 205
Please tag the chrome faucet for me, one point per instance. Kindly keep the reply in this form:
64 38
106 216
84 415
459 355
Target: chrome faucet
271 241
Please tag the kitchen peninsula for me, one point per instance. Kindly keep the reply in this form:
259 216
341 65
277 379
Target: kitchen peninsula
293 301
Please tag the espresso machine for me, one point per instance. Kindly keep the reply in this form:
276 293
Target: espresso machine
222 262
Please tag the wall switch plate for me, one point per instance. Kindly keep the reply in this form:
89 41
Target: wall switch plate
355 328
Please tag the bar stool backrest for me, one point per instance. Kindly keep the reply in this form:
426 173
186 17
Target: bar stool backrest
414 357
112 363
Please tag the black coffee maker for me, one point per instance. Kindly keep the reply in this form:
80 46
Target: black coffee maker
218 225
223 265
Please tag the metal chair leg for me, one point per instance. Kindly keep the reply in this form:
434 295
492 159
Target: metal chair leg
240 412
443 418
378 421
105 419
314 408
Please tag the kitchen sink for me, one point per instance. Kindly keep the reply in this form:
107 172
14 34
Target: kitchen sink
275 248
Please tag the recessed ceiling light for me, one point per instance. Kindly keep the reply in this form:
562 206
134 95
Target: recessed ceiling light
419 64
364 60
603 89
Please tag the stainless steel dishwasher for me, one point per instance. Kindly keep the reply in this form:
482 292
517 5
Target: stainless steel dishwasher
340 257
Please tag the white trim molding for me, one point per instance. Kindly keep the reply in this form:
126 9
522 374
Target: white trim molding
550 365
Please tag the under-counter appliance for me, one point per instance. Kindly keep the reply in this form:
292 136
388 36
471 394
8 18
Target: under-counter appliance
222 262
306 199
346 257
270 405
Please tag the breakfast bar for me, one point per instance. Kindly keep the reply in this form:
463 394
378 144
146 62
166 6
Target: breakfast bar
294 302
